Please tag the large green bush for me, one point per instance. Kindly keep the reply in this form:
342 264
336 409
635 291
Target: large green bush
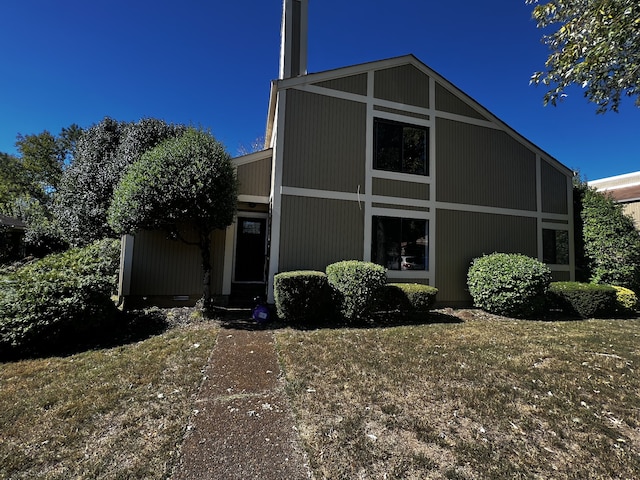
356 286
302 296
408 297
587 300
509 284
59 301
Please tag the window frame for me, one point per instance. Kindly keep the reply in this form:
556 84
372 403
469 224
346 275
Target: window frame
406 216
404 123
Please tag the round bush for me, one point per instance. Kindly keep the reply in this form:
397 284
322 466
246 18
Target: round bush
626 299
586 300
408 297
302 296
509 284
356 286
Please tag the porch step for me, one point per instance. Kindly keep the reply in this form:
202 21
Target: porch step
243 294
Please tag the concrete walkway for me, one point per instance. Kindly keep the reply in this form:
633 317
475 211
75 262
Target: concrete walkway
243 428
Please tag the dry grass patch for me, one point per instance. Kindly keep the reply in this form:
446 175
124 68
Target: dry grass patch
111 413
488 398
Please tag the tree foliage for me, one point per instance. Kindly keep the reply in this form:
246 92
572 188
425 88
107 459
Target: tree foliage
102 155
596 46
185 180
611 241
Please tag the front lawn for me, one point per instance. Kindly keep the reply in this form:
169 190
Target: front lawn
488 398
104 414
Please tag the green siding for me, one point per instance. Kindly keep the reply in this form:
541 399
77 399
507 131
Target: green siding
255 178
448 102
324 143
405 84
554 189
462 236
353 84
316 232
401 189
483 166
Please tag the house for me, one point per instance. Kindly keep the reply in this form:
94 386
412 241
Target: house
12 231
385 161
624 189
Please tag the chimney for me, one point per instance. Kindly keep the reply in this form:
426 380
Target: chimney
293 39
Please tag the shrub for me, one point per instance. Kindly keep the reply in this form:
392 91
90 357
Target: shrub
587 300
60 300
626 300
356 286
302 296
509 284
408 297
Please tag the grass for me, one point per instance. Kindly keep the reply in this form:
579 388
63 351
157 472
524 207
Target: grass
111 413
486 398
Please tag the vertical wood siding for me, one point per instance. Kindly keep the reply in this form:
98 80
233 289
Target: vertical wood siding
448 102
255 178
353 84
405 84
401 189
633 209
316 232
554 189
462 236
167 267
482 166
324 143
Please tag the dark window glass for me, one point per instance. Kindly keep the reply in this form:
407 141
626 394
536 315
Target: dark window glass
400 243
555 246
400 148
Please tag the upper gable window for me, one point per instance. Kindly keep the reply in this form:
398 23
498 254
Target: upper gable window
400 147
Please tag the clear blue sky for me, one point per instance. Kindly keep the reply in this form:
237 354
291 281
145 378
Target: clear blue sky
209 63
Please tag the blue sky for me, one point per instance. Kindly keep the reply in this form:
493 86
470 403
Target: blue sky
209 63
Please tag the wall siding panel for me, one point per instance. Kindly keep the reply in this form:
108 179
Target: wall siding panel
324 143
448 102
168 267
353 84
401 189
405 84
316 232
554 189
483 166
255 178
462 236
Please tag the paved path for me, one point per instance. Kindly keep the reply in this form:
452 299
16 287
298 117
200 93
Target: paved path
243 428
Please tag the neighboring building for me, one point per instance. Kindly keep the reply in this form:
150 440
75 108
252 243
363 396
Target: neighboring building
12 232
386 162
624 189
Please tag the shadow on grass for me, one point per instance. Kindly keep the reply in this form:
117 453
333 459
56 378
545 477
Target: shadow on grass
124 329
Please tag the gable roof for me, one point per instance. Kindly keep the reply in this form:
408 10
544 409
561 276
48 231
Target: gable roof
410 59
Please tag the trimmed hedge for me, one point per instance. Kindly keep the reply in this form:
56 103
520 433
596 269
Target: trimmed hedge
586 300
60 301
408 297
302 296
509 284
356 286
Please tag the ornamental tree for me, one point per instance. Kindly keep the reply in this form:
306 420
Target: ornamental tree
185 180
596 46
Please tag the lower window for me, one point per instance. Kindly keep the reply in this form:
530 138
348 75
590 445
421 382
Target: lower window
555 246
400 243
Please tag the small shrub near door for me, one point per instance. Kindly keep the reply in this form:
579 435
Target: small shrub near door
356 286
509 284
59 301
586 300
302 296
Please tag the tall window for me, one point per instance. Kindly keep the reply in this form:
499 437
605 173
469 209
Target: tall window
400 147
555 246
400 243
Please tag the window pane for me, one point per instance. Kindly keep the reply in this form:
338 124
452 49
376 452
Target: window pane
555 246
388 155
400 244
415 151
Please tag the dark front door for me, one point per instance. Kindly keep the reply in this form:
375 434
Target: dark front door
250 249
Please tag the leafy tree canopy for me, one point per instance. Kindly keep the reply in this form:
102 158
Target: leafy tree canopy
102 155
596 46
185 180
